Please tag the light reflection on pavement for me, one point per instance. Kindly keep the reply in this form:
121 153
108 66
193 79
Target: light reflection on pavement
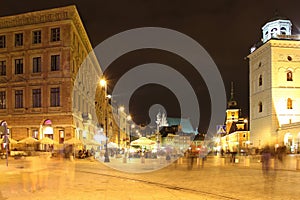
39 178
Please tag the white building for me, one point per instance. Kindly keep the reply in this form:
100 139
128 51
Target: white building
274 67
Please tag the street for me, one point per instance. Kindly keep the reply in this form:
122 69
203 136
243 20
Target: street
41 178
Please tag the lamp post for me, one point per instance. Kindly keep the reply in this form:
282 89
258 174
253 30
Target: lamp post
120 111
129 118
103 84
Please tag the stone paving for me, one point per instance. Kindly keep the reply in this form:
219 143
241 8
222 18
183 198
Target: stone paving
41 178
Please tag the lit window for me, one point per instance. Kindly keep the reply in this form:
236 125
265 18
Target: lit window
54 97
36 37
55 34
2 68
19 39
289 76
273 32
2 41
19 99
260 107
282 30
36 64
18 66
289 103
260 80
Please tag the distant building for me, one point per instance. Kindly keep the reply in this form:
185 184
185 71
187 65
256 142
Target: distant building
44 92
237 136
275 86
179 133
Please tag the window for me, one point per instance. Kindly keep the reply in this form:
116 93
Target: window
19 99
260 80
54 97
36 64
55 34
282 30
55 62
19 39
2 41
36 98
18 66
35 134
2 68
289 103
36 37
2 100
260 108
289 76
273 32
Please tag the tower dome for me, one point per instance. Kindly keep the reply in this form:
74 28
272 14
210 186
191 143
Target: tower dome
278 25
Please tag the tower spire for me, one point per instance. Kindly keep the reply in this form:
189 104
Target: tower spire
231 91
232 103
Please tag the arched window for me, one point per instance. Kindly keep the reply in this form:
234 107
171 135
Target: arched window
273 32
260 107
260 80
282 30
289 76
289 103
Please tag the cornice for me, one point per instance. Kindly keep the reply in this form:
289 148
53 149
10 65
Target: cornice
46 16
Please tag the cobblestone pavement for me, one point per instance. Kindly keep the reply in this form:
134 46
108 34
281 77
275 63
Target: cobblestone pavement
40 178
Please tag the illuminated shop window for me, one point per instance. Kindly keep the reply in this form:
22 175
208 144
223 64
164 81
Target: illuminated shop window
289 103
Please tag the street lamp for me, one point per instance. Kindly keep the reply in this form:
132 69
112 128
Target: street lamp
129 118
103 84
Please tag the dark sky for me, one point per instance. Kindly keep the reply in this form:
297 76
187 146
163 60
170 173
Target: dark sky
225 28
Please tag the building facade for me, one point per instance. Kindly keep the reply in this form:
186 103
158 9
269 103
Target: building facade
236 137
275 86
47 86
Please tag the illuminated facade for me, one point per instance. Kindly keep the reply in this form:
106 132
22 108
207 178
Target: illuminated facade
237 136
275 87
43 93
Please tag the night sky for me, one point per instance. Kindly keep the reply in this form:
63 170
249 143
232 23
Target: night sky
225 28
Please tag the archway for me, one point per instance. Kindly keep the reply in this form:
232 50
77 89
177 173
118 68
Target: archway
289 142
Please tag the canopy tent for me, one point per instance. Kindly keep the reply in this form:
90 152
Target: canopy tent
91 142
73 142
29 143
28 140
10 141
143 141
47 140
112 145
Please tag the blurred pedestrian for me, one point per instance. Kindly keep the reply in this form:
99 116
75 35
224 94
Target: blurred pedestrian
266 160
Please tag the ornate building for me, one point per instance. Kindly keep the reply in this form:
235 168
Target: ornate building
275 86
47 86
236 136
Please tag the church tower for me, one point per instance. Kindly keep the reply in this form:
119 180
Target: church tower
274 81
232 111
